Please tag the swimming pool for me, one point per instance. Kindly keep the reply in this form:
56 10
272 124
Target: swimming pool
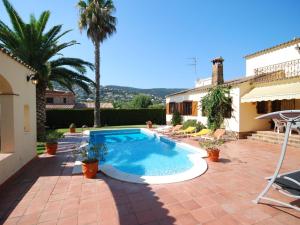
141 156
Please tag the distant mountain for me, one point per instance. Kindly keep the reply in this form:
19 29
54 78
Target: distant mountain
114 93
159 92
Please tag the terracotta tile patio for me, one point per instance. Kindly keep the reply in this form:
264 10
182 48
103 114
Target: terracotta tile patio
46 193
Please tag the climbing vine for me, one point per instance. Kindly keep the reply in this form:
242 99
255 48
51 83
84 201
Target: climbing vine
217 105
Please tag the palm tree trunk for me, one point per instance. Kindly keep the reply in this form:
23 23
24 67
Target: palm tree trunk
97 122
41 111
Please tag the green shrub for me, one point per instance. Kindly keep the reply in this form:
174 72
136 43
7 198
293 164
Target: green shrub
61 118
193 123
176 118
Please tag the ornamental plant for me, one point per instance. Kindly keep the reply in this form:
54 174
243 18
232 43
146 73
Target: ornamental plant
176 118
193 123
91 154
53 136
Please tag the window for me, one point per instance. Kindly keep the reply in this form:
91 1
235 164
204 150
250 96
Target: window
172 106
26 118
187 108
262 107
276 105
65 100
49 100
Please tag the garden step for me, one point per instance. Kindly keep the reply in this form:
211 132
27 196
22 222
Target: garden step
277 138
274 140
280 136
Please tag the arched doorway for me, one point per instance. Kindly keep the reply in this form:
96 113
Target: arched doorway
6 116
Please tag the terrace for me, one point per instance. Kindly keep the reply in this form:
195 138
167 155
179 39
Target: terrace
45 192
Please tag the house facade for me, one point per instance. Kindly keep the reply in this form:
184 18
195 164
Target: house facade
17 115
271 83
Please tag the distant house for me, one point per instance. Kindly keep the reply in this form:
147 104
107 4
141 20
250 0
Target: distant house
271 83
66 100
59 99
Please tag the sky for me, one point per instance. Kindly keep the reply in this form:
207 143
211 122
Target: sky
156 38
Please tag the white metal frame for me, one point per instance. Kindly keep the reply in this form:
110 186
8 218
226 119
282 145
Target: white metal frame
290 121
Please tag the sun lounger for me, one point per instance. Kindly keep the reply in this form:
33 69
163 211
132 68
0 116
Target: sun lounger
185 131
200 133
163 128
172 129
217 135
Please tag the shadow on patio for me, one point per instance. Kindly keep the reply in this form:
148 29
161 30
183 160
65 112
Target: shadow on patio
46 191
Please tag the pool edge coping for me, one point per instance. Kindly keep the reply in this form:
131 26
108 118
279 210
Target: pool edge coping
199 167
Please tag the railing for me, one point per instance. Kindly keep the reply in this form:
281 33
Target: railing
289 68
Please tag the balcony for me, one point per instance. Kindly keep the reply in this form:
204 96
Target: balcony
288 69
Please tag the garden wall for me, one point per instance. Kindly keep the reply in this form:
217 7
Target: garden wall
62 118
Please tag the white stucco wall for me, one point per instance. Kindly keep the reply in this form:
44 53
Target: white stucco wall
18 118
271 58
231 124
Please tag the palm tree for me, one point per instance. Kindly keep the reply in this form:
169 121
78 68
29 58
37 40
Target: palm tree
96 18
41 50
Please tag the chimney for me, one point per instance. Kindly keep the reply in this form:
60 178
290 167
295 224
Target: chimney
217 71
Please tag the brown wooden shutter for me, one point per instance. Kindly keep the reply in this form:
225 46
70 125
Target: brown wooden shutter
168 108
180 108
194 108
288 104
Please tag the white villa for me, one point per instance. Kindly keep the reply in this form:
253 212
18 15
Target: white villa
17 115
271 83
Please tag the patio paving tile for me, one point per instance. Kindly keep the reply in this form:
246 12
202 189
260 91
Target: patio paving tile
68 220
203 215
47 193
190 205
187 219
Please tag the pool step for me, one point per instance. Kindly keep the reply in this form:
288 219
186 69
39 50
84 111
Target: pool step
275 138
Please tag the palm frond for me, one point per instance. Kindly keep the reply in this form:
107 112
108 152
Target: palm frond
15 19
78 64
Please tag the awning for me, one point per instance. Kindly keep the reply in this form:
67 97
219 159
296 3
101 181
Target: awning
274 92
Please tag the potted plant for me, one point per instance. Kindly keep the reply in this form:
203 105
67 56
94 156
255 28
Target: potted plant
51 141
72 128
90 157
212 149
149 124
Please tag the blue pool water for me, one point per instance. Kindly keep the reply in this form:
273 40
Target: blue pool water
138 152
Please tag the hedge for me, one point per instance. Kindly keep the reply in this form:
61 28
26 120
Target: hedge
62 118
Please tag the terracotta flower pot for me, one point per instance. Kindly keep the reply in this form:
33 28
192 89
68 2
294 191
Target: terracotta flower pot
51 148
213 154
72 130
90 169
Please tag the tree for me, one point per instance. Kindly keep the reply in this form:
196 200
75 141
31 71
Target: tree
96 18
216 105
41 50
141 101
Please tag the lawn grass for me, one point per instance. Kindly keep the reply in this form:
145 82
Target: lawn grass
65 130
